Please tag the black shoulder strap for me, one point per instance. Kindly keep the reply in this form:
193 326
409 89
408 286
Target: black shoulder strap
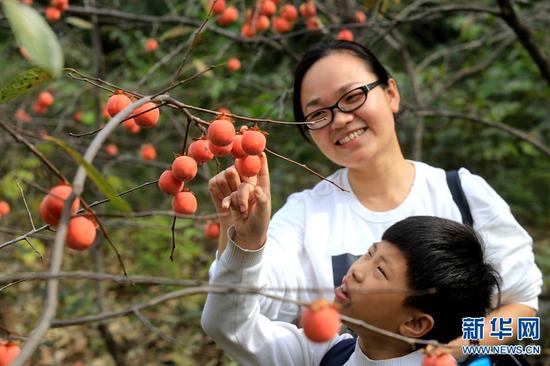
453 181
340 353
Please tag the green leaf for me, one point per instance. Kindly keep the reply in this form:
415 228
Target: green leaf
175 32
201 67
7 182
88 118
34 35
23 82
94 175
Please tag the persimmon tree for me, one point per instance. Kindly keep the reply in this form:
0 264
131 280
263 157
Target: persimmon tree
131 107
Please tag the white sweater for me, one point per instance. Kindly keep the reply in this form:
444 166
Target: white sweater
235 323
318 224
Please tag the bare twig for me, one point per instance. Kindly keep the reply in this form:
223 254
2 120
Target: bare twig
475 69
35 250
104 232
23 237
26 206
96 203
187 128
98 60
235 116
97 82
164 60
186 80
147 323
224 290
306 168
33 149
10 284
106 315
193 43
173 228
155 281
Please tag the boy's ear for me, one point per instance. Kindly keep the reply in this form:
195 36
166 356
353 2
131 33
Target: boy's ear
418 325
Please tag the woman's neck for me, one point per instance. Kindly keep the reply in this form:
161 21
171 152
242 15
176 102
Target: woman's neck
384 183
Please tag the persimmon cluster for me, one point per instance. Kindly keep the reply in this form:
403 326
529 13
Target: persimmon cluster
245 145
56 9
259 18
222 139
146 116
81 230
282 19
183 169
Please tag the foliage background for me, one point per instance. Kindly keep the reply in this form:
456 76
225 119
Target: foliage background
446 56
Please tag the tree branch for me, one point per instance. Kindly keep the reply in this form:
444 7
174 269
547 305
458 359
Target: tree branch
52 285
525 37
541 146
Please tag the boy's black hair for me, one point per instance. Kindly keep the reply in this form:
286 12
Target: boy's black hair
321 50
447 256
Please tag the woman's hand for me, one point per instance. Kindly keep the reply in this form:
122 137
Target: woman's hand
250 208
221 186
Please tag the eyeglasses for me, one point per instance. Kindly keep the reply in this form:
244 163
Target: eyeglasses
348 102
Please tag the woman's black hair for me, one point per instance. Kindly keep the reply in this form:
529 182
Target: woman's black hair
321 50
446 256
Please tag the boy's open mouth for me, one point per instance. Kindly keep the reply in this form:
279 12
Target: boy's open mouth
341 294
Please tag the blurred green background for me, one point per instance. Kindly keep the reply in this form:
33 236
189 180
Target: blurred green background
466 81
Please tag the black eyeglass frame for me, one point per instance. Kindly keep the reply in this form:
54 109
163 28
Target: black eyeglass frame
312 125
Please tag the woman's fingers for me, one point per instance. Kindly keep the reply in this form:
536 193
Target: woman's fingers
234 193
244 198
241 200
263 175
223 184
232 178
215 191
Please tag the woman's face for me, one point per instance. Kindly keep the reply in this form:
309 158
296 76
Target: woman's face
372 288
354 138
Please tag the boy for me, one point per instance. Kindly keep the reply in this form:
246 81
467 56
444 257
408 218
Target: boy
415 254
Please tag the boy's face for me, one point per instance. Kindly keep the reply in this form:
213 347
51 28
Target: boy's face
368 289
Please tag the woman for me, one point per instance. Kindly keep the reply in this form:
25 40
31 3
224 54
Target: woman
350 101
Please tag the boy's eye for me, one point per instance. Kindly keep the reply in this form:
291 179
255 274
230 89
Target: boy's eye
382 272
369 254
